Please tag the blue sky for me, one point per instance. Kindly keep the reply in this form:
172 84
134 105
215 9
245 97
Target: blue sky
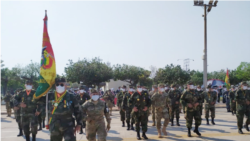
134 33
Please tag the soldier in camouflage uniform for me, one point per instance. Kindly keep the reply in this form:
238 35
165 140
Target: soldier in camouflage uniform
210 98
96 109
42 115
232 101
120 96
162 102
109 99
62 105
7 99
191 101
154 90
17 112
127 108
199 91
242 99
82 97
174 96
140 103
29 110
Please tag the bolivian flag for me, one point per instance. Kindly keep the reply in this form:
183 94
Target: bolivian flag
227 83
48 64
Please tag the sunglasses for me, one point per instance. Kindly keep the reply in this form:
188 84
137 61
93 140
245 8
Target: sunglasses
60 84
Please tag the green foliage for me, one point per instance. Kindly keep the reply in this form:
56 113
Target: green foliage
90 72
196 77
243 71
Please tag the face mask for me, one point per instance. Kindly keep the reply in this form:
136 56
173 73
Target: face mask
225 89
95 97
139 89
166 88
131 90
60 89
191 87
198 89
82 91
28 87
123 90
153 89
162 89
244 87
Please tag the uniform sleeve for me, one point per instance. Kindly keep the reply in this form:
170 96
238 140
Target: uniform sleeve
106 114
215 97
131 101
148 101
17 100
124 103
77 112
118 101
183 99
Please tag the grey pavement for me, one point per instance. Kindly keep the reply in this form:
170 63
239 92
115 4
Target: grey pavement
224 130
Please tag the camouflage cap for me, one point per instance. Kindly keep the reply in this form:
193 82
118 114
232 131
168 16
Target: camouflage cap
60 80
190 83
94 91
243 83
131 87
138 85
173 85
209 86
161 85
154 86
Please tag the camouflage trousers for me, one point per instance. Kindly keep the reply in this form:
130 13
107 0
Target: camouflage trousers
233 106
122 113
8 108
180 107
96 127
209 108
153 113
41 116
174 109
160 113
241 110
29 121
201 108
191 114
129 118
57 132
141 117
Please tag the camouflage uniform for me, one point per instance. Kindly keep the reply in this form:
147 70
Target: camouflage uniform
191 97
109 99
18 115
7 99
140 101
241 98
28 118
201 106
119 105
174 96
209 98
82 99
161 101
94 119
42 115
152 108
128 110
232 101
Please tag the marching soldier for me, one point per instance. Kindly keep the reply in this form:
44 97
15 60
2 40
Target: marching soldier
161 101
199 91
42 115
95 109
17 112
242 102
109 99
29 110
226 96
127 108
154 90
119 104
174 96
140 103
82 97
7 99
232 99
191 101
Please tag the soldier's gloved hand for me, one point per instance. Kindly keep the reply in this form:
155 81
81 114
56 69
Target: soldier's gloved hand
37 113
23 105
176 102
135 109
190 105
108 127
145 108
233 100
16 108
196 104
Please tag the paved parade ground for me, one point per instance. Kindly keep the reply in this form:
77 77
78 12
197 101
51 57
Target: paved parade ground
224 130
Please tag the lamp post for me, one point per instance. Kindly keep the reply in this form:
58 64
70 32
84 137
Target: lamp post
207 8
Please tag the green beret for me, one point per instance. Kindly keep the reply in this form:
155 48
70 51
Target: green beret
161 85
94 91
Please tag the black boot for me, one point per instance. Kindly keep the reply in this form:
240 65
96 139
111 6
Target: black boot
20 132
172 122
33 137
138 135
128 125
207 121
246 126
177 122
197 131
144 136
132 127
189 132
240 131
40 126
27 137
123 124
83 125
232 113
43 124
213 121
81 132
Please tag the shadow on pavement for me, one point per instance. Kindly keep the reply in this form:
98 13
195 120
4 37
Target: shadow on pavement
3 120
215 139
113 132
202 129
39 139
114 138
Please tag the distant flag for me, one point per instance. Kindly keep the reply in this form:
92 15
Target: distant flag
227 83
48 64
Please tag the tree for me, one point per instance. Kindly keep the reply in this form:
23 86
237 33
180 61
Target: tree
243 71
90 72
131 74
196 77
2 65
233 79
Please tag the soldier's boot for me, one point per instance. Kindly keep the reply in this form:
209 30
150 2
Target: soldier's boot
207 121
144 136
240 131
232 112
138 135
189 132
20 132
164 130
172 122
33 137
132 127
40 126
128 126
246 126
43 124
27 137
177 122
159 133
213 121
197 131
81 132
123 124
